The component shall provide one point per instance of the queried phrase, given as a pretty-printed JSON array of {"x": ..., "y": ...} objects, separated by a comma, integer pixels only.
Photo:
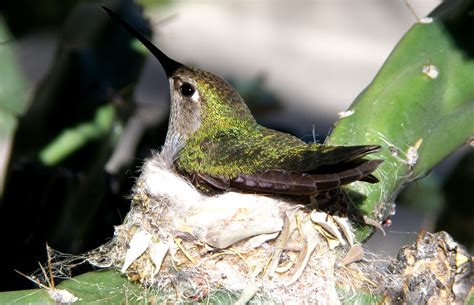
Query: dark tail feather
[
  {"x": 345, "y": 154},
  {"x": 370, "y": 179},
  {"x": 362, "y": 172},
  {"x": 288, "y": 183}
]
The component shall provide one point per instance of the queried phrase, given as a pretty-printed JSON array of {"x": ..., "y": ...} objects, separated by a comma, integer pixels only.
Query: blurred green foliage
[
  {"x": 13, "y": 96},
  {"x": 56, "y": 178},
  {"x": 148, "y": 3}
]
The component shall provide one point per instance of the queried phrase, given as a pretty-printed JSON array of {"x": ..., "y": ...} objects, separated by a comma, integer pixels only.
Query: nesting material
[
  {"x": 435, "y": 270},
  {"x": 190, "y": 245},
  {"x": 186, "y": 247}
]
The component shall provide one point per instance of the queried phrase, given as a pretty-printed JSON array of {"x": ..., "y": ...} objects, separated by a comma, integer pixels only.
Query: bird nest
[{"x": 190, "y": 246}]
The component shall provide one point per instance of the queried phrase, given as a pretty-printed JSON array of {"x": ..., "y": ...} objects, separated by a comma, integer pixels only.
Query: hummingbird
[{"x": 215, "y": 142}]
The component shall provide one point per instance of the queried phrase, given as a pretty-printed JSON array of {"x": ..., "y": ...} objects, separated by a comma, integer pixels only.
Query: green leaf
[
  {"x": 70, "y": 140},
  {"x": 419, "y": 107},
  {"x": 13, "y": 97}
]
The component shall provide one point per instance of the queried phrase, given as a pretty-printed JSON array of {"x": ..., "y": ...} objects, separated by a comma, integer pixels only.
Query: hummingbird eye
[{"x": 187, "y": 90}]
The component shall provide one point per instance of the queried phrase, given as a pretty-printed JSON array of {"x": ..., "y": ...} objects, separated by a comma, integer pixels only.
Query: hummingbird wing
[
  {"x": 280, "y": 181},
  {"x": 277, "y": 163},
  {"x": 283, "y": 182}
]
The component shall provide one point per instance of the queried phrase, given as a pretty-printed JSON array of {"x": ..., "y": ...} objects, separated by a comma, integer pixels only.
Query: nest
[
  {"x": 190, "y": 246},
  {"x": 185, "y": 246}
]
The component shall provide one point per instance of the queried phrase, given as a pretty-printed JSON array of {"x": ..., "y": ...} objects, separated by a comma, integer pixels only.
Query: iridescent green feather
[{"x": 229, "y": 142}]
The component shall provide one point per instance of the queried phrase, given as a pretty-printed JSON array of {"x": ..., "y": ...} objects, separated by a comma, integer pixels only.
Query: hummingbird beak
[{"x": 169, "y": 65}]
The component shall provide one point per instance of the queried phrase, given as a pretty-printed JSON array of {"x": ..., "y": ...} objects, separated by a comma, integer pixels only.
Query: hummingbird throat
[{"x": 184, "y": 121}]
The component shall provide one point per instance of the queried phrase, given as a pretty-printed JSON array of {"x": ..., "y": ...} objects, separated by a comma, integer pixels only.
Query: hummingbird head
[
  {"x": 202, "y": 99},
  {"x": 198, "y": 98}
]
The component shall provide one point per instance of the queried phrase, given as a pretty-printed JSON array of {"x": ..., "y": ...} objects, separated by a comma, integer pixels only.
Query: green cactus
[
  {"x": 100, "y": 287},
  {"x": 419, "y": 107}
]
